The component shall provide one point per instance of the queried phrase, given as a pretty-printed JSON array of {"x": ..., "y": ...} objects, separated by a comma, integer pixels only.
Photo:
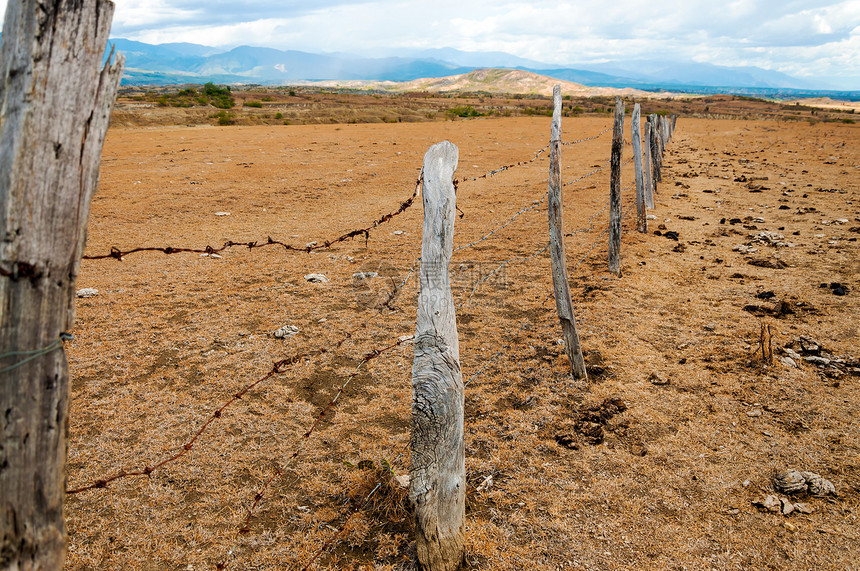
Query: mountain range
[{"x": 178, "y": 63}]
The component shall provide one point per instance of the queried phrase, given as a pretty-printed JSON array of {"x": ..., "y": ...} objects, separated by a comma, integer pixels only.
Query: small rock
[
  {"x": 406, "y": 338},
  {"x": 486, "y": 484},
  {"x": 222, "y": 214},
  {"x": 398, "y": 232},
  {"x": 710, "y": 327},
  {"x": 765, "y": 295},
  {"x": 744, "y": 249},
  {"x": 789, "y": 526},
  {"x": 815, "y": 360},
  {"x": 790, "y": 482},
  {"x": 754, "y": 412},
  {"x": 787, "y": 506},
  {"x": 803, "y": 508},
  {"x": 365, "y": 275},
  {"x": 839, "y": 289},
  {"x": 285, "y": 331},
  {"x": 316, "y": 278},
  {"x": 819, "y": 486},
  {"x": 788, "y": 362},
  {"x": 769, "y": 503},
  {"x": 791, "y": 353},
  {"x": 310, "y": 244},
  {"x": 657, "y": 379},
  {"x": 87, "y": 292},
  {"x": 650, "y": 217},
  {"x": 746, "y": 484}
]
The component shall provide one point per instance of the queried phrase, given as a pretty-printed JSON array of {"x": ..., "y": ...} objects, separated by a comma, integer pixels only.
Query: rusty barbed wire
[
  {"x": 118, "y": 254},
  {"x": 277, "y": 368},
  {"x": 279, "y": 470}
]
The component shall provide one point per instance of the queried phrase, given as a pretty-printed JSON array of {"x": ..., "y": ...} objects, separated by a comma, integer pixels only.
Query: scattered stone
[
  {"x": 671, "y": 234},
  {"x": 710, "y": 327},
  {"x": 285, "y": 331},
  {"x": 316, "y": 278},
  {"x": 787, "y": 506},
  {"x": 657, "y": 379},
  {"x": 788, "y": 362},
  {"x": 746, "y": 484},
  {"x": 310, "y": 244},
  {"x": 486, "y": 484},
  {"x": 406, "y": 338},
  {"x": 765, "y": 295},
  {"x": 790, "y": 482},
  {"x": 87, "y": 292},
  {"x": 365, "y": 275},
  {"x": 222, "y": 214},
  {"x": 754, "y": 412},
  {"x": 651, "y": 217},
  {"x": 744, "y": 249},
  {"x": 815, "y": 360},
  {"x": 803, "y": 508},
  {"x": 796, "y": 482},
  {"x": 792, "y": 354},
  {"x": 638, "y": 449},
  {"x": 398, "y": 232},
  {"x": 819, "y": 486},
  {"x": 770, "y": 503},
  {"x": 680, "y": 248},
  {"x": 809, "y": 346}
]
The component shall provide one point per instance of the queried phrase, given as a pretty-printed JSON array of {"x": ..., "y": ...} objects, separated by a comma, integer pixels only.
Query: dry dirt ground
[{"x": 627, "y": 471}]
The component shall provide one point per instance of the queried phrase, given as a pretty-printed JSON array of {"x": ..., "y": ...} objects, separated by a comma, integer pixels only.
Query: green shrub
[
  {"x": 257, "y": 104},
  {"x": 279, "y": 115}
]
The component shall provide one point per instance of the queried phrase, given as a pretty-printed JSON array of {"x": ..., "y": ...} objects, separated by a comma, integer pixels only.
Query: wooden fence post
[
  {"x": 656, "y": 155},
  {"x": 641, "y": 222},
  {"x": 649, "y": 178},
  {"x": 556, "y": 245},
  {"x": 437, "y": 483},
  {"x": 55, "y": 100},
  {"x": 615, "y": 189}
]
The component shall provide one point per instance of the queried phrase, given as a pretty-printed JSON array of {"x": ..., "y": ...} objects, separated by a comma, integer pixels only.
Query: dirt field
[{"x": 653, "y": 464}]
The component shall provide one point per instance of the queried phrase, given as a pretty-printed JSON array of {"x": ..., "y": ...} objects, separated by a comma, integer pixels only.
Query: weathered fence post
[
  {"x": 437, "y": 484},
  {"x": 615, "y": 189},
  {"x": 649, "y": 178},
  {"x": 556, "y": 245},
  {"x": 55, "y": 102},
  {"x": 641, "y": 222},
  {"x": 655, "y": 149}
]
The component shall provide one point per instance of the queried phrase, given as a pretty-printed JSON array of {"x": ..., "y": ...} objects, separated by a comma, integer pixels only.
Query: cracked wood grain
[
  {"x": 555, "y": 210},
  {"x": 55, "y": 103},
  {"x": 437, "y": 484}
]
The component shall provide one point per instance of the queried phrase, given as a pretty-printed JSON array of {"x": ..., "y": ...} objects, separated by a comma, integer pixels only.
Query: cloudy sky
[{"x": 808, "y": 39}]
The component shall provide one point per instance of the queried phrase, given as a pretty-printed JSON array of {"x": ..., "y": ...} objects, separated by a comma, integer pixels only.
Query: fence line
[
  {"x": 281, "y": 366},
  {"x": 118, "y": 254}
]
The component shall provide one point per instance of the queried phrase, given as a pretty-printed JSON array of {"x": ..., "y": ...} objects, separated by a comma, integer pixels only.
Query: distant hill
[{"x": 178, "y": 63}]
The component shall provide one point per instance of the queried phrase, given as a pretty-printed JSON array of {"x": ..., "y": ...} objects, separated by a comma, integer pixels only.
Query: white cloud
[{"x": 774, "y": 34}]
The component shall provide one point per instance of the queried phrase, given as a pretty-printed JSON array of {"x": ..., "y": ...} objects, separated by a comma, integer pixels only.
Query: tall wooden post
[
  {"x": 55, "y": 102},
  {"x": 641, "y": 222},
  {"x": 655, "y": 149},
  {"x": 649, "y": 177},
  {"x": 556, "y": 245},
  {"x": 615, "y": 189},
  {"x": 437, "y": 484}
]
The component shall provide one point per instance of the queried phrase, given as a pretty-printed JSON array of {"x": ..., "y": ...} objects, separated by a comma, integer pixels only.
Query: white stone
[
  {"x": 87, "y": 292},
  {"x": 316, "y": 278},
  {"x": 222, "y": 214},
  {"x": 286, "y": 331}
]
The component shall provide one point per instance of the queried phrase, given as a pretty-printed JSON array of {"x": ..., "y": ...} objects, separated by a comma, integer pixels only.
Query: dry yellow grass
[{"x": 170, "y": 338}]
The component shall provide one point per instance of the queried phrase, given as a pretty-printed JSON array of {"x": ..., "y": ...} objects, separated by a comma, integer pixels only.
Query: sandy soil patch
[{"x": 653, "y": 464}]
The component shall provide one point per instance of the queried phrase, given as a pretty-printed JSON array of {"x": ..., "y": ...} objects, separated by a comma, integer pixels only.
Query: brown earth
[
  {"x": 617, "y": 473},
  {"x": 147, "y": 107}
]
